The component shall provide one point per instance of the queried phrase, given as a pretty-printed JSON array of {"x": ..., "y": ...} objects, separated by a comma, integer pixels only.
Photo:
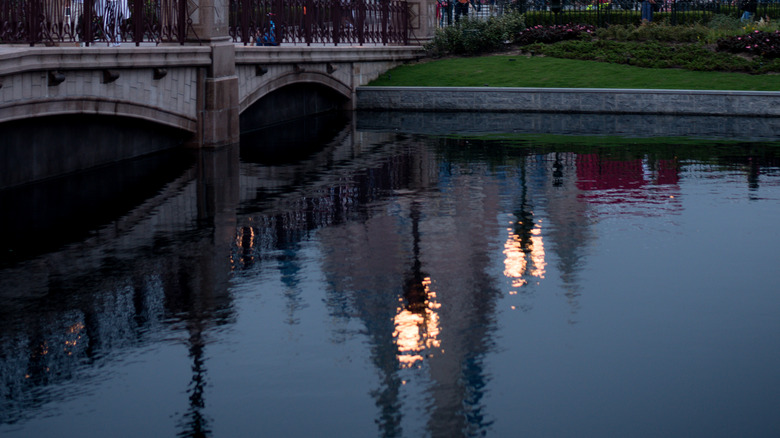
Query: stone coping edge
[
  {"x": 78, "y": 58},
  {"x": 306, "y": 54},
  {"x": 573, "y": 100}
]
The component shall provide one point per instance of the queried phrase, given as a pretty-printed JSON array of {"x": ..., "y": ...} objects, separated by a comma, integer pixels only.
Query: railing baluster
[
  {"x": 406, "y": 18},
  {"x": 280, "y": 18},
  {"x": 360, "y": 21},
  {"x": 86, "y": 24},
  {"x": 181, "y": 23},
  {"x": 307, "y": 19},
  {"x": 336, "y": 18},
  {"x": 138, "y": 22},
  {"x": 32, "y": 21},
  {"x": 385, "y": 19}
]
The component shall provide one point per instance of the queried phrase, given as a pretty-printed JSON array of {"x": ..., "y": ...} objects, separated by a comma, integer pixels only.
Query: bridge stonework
[
  {"x": 261, "y": 71},
  {"x": 148, "y": 83},
  {"x": 200, "y": 89}
]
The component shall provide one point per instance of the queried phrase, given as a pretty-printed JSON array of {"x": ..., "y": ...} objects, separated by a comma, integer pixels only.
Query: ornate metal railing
[
  {"x": 271, "y": 22},
  {"x": 93, "y": 21},
  {"x": 609, "y": 12},
  {"x": 604, "y": 13}
]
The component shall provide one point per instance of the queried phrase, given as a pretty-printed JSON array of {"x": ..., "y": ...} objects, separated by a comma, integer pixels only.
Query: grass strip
[{"x": 547, "y": 72}]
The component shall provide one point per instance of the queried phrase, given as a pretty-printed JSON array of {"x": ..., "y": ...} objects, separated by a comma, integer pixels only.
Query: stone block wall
[
  {"x": 562, "y": 100},
  {"x": 159, "y": 86},
  {"x": 262, "y": 70}
]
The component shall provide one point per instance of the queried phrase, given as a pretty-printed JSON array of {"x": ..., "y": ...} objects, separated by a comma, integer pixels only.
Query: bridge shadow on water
[
  {"x": 292, "y": 140},
  {"x": 44, "y": 215},
  {"x": 36, "y": 149}
]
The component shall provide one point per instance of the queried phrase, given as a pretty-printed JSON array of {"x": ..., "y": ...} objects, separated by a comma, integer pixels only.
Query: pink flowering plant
[
  {"x": 555, "y": 33},
  {"x": 758, "y": 43}
]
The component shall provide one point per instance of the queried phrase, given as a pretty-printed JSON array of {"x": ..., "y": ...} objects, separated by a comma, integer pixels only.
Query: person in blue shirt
[
  {"x": 647, "y": 10},
  {"x": 749, "y": 8}
]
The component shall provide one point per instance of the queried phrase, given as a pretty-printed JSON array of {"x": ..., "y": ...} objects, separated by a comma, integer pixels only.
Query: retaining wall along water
[{"x": 571, "y": 100}]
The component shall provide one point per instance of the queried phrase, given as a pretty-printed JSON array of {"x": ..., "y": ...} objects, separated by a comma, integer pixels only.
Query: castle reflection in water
[{"x": 410, "y": 231}]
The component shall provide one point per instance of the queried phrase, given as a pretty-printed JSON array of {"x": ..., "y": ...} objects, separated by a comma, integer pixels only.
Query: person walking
[{"x": 114, "y": 12}]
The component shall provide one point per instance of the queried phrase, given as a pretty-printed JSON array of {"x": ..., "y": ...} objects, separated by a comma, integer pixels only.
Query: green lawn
[{"x": 525, "y": 71}]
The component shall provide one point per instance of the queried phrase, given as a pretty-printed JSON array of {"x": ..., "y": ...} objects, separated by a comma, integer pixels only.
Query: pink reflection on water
[{"x": 639, "y": 186}]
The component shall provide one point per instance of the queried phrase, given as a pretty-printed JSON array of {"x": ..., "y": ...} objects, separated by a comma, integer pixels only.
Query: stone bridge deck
[{"x": 199, "y": 89}]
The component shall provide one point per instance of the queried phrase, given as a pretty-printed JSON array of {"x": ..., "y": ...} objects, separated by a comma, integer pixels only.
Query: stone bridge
[{"x": 201, "y": 89}]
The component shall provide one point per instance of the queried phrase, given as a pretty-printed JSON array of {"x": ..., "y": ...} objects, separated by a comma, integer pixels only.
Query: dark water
[{"x": 392, "y": 284}]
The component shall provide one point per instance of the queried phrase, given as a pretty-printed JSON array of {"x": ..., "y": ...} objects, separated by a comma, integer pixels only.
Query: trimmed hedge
[
  {"x": 474, "y": 36},
  {"x": 608, "y": 17}
]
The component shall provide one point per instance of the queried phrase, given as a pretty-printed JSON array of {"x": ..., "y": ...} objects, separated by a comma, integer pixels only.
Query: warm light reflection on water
[
  {"x": 417, "y": 331},
  {"x": 519, "y": 252}
]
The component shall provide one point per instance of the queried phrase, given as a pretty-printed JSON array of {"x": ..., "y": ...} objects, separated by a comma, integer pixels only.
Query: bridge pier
[
  {"x": 218, "y": 88},
  {"x": 218, "y": 117}
]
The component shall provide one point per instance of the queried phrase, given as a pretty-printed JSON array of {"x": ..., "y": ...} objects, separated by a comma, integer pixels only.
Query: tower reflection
[{"x": 417, "y": 321}]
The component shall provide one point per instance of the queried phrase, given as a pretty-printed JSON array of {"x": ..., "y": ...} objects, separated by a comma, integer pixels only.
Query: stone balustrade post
[
  {"x": 218, "y": 85},
  {"x": 422, "y": 20}
]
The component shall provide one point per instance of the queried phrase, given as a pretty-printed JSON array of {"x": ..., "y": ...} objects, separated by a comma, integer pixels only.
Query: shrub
[
  {"x": 655, "y": 55},
  {"x": 552, "y": 34},
  {"x": 475, "y": 36},
  {"x": 510, "y": 25},
  {"x": 654, "y": 32},
  {"x": 723, "y": 22},
  {"x": 544, "y": 18},
  {"x": 719, "y": 47},
  {"x": 764, "y": 44},
  {"x": 447, "y": 40}
]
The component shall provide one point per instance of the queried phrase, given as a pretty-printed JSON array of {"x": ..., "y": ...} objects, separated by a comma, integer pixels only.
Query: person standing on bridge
[
  {"x": 446, "y": 12},
  {"x": 461, "y": 8},
  {"x": 113, "y": 12}
]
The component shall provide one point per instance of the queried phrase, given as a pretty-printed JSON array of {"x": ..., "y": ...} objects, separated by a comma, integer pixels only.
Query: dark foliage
[
  {"x": 475, "y": 36},
  {"x": 655, "y": 54},
  {"x": 553, "y": 34},
  {"x": 764, "y": 44}
]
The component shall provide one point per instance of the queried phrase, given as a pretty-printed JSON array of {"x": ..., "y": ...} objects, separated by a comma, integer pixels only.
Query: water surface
[{"x": 392, "y": 284}]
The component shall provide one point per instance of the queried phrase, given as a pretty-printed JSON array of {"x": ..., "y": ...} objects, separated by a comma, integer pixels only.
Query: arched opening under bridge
[{"x": 292, "y": 101}]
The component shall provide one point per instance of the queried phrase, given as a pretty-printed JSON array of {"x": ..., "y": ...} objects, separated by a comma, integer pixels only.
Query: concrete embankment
[
  {"x": 572, "y": 100},
  {"x": 717, "y": 114}
]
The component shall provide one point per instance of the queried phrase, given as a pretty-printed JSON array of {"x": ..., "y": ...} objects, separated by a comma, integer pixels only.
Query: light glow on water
[
  {"x": 518, "y": 253},
  {"x": 417, "y": 328}
]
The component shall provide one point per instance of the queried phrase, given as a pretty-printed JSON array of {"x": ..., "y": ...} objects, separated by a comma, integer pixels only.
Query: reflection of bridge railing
[
  {"x": 90, "y": 21},
  {"x": 320, "y": 21}
]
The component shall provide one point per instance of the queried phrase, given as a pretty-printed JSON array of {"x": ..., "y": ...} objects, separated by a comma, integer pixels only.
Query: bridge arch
[
  {"x": 103, "y": 107},
  {"x": 291, "y": 96},
  {"x": 293, "y": 78}
]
